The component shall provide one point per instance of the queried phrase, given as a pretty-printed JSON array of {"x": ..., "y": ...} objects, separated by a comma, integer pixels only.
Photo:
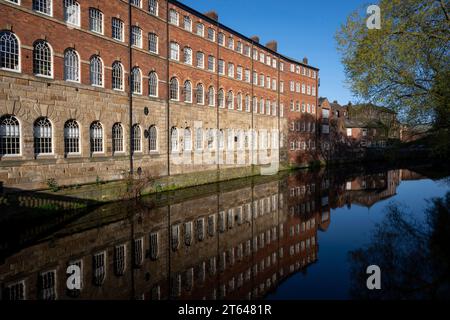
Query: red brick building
[{"x": 95, "y": 90}]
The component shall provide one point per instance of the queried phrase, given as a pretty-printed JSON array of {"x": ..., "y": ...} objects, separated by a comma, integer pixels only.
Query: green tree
[{"x": 405, "y": 65}]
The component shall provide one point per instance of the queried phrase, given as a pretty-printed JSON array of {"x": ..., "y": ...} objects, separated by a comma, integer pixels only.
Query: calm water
[{"x": 299, "y": 236}]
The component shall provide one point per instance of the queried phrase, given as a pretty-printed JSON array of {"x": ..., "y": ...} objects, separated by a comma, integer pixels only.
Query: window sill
[
  {"x": 73, "y": 155},
  {"x": 45, "y": 156},
  {"x": 98, "y": 155},
  {"x": 10, "y": 157}
]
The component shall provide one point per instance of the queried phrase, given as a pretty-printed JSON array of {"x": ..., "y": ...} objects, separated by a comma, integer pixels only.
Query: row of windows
[
  {"x": 236, "y": 73},
  {"x": 228, "y": 99},
  {"x": 303, "y": 145},
  {"x": 47, "y": 288},
  {"x": 72, "y": 16},
  {"x": 305, "y": 107},
  {"x": 229, "y": 42},
  {"x": 72, "y": 12},
  {"x": 302, "y": 208},
  {"x": 302, "y": 88},
  {"x": 238, "y": 281},
  {"x": 303, "y": 190},
  {"x": 304, "y": 126},
  {"x": 43, "y": 66},
  {"x": 239, "y": 47},
  {"x": 10, "y": 137},
  {"x": 303, "y": 70},
  {"x": 229, "y": 139}
]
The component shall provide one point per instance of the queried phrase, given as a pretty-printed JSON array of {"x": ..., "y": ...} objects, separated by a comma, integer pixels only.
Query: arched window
[
  {"x": 230, "y": 100},
  {"x": 153, "y": 43},
  {"x": 9, "y": 51},
  {"x": 239, "y": 101},
  {"x": 247, "y": 103},
  {"x": 136, "y": 80},
  {"x": 187, "y": 139},
  {"x": 173, "y": 90},
  {"x": 136, "y": 135},
  {"x": 174, "y": 139},
  {"x": 9, "y": 135},
  {"x": 71, "y": 65},
  {"x": 199, "y": 139},
  {"x": 117, "y": 137},
  {"x": 153, "y": 138},
  {"x": 117, "y": 76},
  {"x": 71, "y": 137},
  {"x": 153, "y": 7},
  {"x": 153, "y": 84},
  {"x": 42, "y": 136},
  {"x": 96, "y": 137},
  {"x": 42, "y": 59},
  {"x": 220, "y": 98},
  {"x": 188, "y": 91},
  {"x": 96, "y": 71},
  {"x": 72, "y": 12},
  {"x": 211, "y": 97},
  {"x": 200, "y": 94}
]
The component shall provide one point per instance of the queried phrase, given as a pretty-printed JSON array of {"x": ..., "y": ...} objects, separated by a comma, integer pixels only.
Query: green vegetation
[
  {"x": 53, "y": 185},
  {"x": 405, "y": 65}
]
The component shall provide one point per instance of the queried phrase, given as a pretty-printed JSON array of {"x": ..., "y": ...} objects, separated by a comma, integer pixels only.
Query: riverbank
[{"x": 64, "y": 198}]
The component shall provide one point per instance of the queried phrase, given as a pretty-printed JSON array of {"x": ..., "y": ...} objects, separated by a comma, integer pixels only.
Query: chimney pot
[
  {"x": 272, "y": 45},
  {"x": 212, "y": 15},
  {"x": 255, "y": 38},
  {"x": 305, "y": 60}
]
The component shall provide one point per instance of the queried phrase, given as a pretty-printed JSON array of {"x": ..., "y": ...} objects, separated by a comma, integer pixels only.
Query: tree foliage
[{"x": 405, "y": 65}]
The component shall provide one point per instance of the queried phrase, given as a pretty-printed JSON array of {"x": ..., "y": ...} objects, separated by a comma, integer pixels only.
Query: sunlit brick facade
[{"x": 67, "y": 113}]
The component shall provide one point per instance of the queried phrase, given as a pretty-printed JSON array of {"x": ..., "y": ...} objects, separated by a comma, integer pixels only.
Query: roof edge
[{"x": 256, "y": 44}]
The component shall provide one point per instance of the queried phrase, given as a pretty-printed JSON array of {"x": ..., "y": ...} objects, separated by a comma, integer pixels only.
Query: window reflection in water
[{"x": 238, "y": 242}]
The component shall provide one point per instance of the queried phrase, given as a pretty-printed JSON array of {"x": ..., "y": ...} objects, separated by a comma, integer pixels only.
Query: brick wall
[{"x": 29, "y": 97}]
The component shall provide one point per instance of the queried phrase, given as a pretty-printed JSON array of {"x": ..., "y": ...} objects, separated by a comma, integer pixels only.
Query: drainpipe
[
  {"x": 217, "y": 103},
  {"x": 251, "y": 153},
  {"x": 279, "y": 110},
  {"x": 130, "y": 109},
  {"x": 168, "y": 129}
]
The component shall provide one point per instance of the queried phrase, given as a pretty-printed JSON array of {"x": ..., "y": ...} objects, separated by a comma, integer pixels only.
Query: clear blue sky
[{"x": 301, "y": 27}]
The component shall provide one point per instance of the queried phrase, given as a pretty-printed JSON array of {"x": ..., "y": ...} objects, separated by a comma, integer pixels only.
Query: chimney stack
[
  {"x": 305, "y": 60},
  {"x": 212, "y": 15},
  {"x": 272, "y": 45},
  {"x": 255, "y": 38}
]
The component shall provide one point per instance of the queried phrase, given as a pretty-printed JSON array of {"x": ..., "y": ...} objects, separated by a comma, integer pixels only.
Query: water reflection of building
[
  {"x": 364, "y": 189},
  {"x": 235, "y": 244}
]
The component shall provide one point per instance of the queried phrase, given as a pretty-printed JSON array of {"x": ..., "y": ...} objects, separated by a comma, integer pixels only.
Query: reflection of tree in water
[{"x": 414, "y": 258}]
